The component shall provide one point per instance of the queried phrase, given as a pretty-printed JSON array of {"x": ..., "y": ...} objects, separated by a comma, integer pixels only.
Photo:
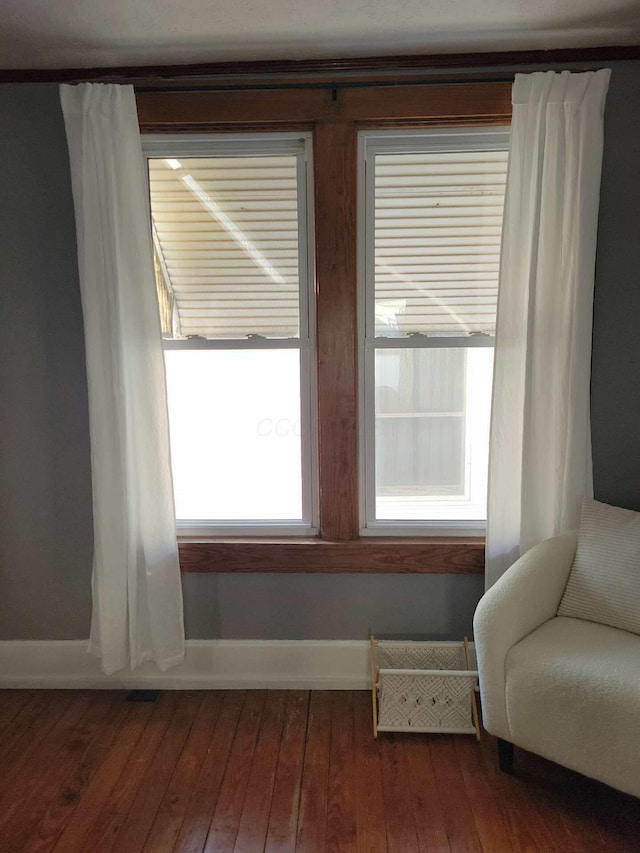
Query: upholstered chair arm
[{"x": 526, "y": 596}]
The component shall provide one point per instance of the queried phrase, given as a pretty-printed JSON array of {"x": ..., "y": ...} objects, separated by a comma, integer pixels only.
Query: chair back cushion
[{"x": 604, "y": 582}]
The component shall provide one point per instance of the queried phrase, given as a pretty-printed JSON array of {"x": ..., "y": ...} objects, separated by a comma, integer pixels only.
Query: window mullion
[{"x": 336, "y": 186}]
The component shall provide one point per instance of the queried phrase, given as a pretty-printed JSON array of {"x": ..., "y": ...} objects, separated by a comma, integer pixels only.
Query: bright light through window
[{"x": 235, "y": 434}]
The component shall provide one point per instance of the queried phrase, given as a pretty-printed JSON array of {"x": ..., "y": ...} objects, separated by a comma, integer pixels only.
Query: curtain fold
[
  {"x": 540, "y": 446},
  {"x": 137, "y": 596}
]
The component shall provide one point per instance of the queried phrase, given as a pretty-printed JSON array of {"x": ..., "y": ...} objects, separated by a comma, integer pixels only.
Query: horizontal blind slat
[
  {"x": 437, "y": 230},
  {"x": 228, "y": 232}
]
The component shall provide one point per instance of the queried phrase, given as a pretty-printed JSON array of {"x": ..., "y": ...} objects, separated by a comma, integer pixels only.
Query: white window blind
[
  {"x": 227, "y": 236},
  {"x": 438, "y": 218}
]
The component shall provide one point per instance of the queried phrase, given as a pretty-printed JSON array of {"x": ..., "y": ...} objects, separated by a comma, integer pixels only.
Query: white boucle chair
[{"x": 565, "y": 688}]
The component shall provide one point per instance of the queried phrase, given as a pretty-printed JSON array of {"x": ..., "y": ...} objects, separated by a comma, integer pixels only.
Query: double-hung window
[
  {"x": 329, "y": 318},
  {"x": 430, "y": 226},
  {"x": 232, "y": 219}
]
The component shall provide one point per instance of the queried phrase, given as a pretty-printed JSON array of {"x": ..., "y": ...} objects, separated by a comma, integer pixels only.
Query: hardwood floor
[{"x": 194, "y": 771}]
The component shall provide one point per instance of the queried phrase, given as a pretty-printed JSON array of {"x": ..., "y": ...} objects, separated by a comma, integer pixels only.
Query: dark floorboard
[{"x": 89, "y": 772}]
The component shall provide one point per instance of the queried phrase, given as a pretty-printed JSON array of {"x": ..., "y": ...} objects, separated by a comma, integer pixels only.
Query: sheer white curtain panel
[
  {"x": 137, "y": 597},
  {"x": 540, "y": 447}
]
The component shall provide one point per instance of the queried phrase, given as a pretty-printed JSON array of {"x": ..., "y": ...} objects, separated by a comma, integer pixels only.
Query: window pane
[
  {"x": 438, "y": 220},
  {"x": 432, "y": 409},
  {"x": 226, "y": 240},
  {"x": 235, "y": 434}
]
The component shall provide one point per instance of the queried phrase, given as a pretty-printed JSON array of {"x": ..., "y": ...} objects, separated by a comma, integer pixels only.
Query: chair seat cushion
[{"x": 573, "y": 696}]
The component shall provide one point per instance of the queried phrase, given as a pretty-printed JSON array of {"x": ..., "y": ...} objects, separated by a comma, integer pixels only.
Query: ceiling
[{"x": 86, "y": 33}]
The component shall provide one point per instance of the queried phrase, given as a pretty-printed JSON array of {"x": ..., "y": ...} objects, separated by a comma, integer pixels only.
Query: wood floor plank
[
  {"x": 98, "y": 794},
  {"x": 402, "y": 835},
  {"x": 12, "y": 702},
  {"x": 195, "y": 826},
  {"x": 461, "y": 830},
  {"x": 25, "y": 732},
  {"x": 610, "y": 817},
  {"x": 108, "y": 814},
  {"x": 541, "y": 788},
  {"x": 487, "y": 809},
  {"x": 371, "y": 828},
  {"x": 341, "y": 833},
  {"x": 285, "y": 803},
  {"x": 60, "y": 760},
  {"x": 93, "y": 773},
  {"x": 527, "y": 827},
  {"x": 156, "y": 775},
  {"x": 228, "y": 811},
  {"x": 312, "y": 816},
  {"x": 252, "y": 832},
  {"x": 428, "y": 816},
  {"x": 71, "y": 791},
  {"x": 560, "y": 796},
  {"x": 35, "y": 774},
  {"x": 174, "y": 805}
]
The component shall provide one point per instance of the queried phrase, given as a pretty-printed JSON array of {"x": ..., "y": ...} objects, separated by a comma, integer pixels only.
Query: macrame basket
[{"x": 423, "y": 687}]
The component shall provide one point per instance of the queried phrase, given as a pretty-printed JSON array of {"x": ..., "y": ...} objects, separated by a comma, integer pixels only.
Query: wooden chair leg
[{"x": 505, "y": 755}]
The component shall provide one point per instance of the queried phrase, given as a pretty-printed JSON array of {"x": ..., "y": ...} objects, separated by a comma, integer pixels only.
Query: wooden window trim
[
  {"x": 456, "y": 103},
  {"x": 449, "y": 63},
  {"x": 335, "y": 116},
  {"x": 375, "y": 555}
]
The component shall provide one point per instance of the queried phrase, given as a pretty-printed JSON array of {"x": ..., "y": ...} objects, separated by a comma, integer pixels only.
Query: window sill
[{"x": 380, "y": 555}]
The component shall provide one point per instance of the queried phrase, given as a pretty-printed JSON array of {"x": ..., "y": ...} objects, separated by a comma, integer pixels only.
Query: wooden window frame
[{"x": 334, "y": 115}]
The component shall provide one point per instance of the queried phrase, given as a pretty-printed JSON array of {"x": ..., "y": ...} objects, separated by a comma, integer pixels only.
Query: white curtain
[
  {"x": 540, "y": 448},
  {"x": 137, "y": 598}
]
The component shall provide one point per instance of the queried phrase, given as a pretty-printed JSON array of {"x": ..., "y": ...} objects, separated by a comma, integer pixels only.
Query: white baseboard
[{"x": 208, "y": 664}]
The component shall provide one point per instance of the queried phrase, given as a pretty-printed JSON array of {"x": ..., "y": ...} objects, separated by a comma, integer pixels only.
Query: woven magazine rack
[{"x": 423, "y": 687}]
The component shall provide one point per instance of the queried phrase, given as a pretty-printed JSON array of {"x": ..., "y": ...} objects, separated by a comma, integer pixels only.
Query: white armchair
[{"x": 564, "y": 688}]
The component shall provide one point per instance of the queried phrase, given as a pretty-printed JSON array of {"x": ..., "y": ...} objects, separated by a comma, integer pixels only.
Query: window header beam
[{"x": 451, "y": 104}]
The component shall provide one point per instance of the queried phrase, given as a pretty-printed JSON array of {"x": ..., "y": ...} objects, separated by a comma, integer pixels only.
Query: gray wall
[
  {"x": 45, "y": 487},
  {"x": 45, "y": 483},
  {"x": 615, "y": 376}
]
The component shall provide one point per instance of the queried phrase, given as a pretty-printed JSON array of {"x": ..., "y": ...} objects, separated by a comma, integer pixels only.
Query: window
[
  {"x": 342, "y": 507},
  {"x": 231, "y": 222},
  {"x": 431, "y": 219}
]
